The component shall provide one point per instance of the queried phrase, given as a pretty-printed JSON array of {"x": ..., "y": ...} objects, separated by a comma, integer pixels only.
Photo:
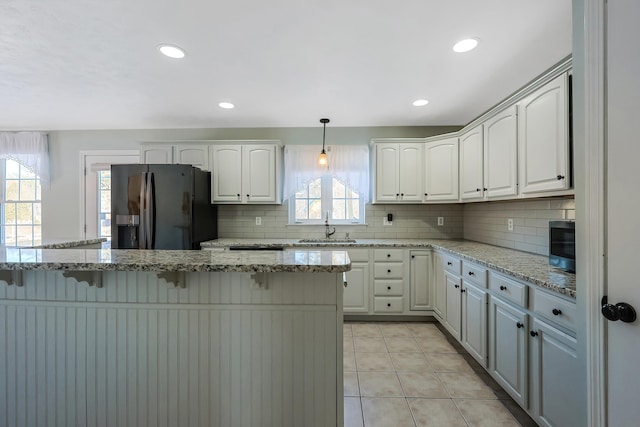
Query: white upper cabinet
[
  {"x": 543, "y": 138},
  {"x": 501, "y": 154},
  {"x": 398, "y": 176},
  {"x": 245, "y": 173},
  {"x": 441, "y": 170},
  {"x": 471, "y": 164},
  {"x": 192, "y": 154},
  {"x": 156, "y": 153}
]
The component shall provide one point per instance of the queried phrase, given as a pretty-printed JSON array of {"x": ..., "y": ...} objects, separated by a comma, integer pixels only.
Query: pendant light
[{"x": 322, "y": 158}]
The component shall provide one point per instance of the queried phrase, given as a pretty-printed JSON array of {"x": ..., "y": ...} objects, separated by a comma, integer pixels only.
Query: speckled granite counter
[
  {"x": 66, "y": 243},
  {"x": 522, "y": 265},
  {"x": 298, "y": 260}
]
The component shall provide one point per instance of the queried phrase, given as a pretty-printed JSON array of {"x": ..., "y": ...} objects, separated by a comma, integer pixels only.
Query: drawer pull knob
[
  {"x": 456, "y": 286},
  {"x": 477, "y": 190},
  {"x": 560, "y": 177},
  {"x": 388, "y": 271},
  {"x": 402, "y": 194},
  {"x": 484, "y": 189},
  {"x": 449, "y": 263},
  {"x": 503, "y": 288},
  {"x": 388, "y": 288},
  {"x": 519, "y": 325},
  {"x": 463, "y": 290},
  {"x": 388, "y": 255},
  {"x": 533, "y": 334},
  {"x": 471, "y": 273},
  {"x": 345, "y": 284},
  {"x": 556, "y": 312},
  {"x": 388, "y": 304}
]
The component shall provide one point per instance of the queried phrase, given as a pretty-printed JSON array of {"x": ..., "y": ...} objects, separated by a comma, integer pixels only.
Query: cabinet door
[
  {"x": 156, "y": 154},
  {"x": 439, "y": 287},
  {"x": 226, "y": 168},
  {"x": 543, "y": 138},
  {"x": 356, "y": 294},
  {"x": 508, "y": 332},
  {"x": 554, "y": 375},
  {"x": 387, "y": 184},
  {"x": 454, "y": 306},
  {"x": 501, "y": 154},
  {"x": 474, "y": 322},
  {"x": 196, "y": 155},
  {"x": 410, "y": 172},
  {"x": 259, "y": 174},
  {"x": 441, "y": 170},
  {"x": 420, "y": 279},
  {"x": 471, "y": 162}
]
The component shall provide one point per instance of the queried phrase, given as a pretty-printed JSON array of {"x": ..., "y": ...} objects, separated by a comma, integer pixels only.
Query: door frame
[
  {"x": 82, "y": 174},
  {"x": 590, "y": 161}
]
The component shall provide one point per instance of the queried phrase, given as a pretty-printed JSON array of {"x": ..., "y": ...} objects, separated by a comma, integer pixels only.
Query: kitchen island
[{"x": 152, "y": 338}]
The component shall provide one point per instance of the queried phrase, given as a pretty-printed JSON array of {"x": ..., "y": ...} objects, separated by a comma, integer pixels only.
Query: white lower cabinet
[
  {"x": 474, "y": 322},
  {"x": 419, "y": 279},
  {"x": 356, "y": 292},
  {"x": 508, "y": 338},
  {"x": 453, "y": 317},
  {"x": 439, "y": 287}
]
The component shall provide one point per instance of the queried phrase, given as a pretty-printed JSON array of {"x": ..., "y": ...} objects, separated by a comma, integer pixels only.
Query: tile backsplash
[
  {"x": 486, "y": 222},
  {"x": 409, "y": 222}
]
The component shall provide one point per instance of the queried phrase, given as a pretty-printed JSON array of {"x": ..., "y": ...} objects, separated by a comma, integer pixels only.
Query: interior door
[{"x": 623, "y": 205}]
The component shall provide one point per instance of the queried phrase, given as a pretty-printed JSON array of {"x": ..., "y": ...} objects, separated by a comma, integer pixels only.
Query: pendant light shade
[{"x": 323, "y": 160}]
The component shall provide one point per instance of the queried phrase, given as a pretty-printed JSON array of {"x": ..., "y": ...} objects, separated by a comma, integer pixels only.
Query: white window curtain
[
  {"x": 347, "y": 163},
  {"x": 30, "y": 149}
]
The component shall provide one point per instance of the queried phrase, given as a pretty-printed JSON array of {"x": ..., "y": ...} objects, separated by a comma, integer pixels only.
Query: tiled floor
[{"x": 414, "y": 375}]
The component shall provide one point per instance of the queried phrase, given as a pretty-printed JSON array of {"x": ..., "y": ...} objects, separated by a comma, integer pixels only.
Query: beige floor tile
[
  {"x": 379, "y": 384},
  {"x": 466, "y": 385},
  {"x": 351, "y": 387},
  {"x": 444, "y": 362},
  {"x": 435, "y": 344},
  {"x": 436, "y": 413},
  {"x": 401, "y": 344},
  {"x": 365, "y": 330},
  {"x": 417, "y": 384},
  {"x": 424, "y": 330},
  {"x": 369, "y": 344},
  {"x": 389, "y": 412},
  {"x": 349, "y": 362},
  {"x": 414, "y": 362},
  {"x": 346, "y": 330},
  {"x": 374, "y": 362},
  {"x": 486, "y": 413},
  {"x": 353, "y": 412},
  {"x": 347, "y": 345},
  {"x": 395, "y": 330}
]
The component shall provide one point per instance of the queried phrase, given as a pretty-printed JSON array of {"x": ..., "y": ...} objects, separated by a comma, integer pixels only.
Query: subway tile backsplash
[
  {"x": 409, "y": 222},
  {"x": 486, "y": 222}
]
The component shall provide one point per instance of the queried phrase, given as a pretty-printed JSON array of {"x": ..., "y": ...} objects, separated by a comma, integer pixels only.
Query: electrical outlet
[
  {"x": 440, "y": 221},
  {"x": 510, "y": 224},
  {"x": 258, "y": 220},
  {"x": 385, "y": 221}
]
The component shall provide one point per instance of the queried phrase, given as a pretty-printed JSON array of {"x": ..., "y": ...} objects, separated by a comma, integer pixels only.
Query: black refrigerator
[{"x": 161, "y": 207}]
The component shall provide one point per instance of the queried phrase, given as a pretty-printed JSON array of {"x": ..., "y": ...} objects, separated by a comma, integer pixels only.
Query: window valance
[
  {"x": 31, "y": 149},
  {"x": 347, "y": 163}
]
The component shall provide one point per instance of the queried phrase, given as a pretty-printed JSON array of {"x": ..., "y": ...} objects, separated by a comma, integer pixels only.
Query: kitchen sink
[{"x": 326, "y": 241}]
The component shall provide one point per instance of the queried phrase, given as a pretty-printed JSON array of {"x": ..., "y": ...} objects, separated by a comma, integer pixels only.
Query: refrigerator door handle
[
  {"x": 151, "y": 213},
  {"x": 142, "y": 239}
]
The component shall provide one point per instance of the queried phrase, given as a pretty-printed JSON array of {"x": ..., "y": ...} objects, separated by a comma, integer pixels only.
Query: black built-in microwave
[{"x": 562, "y": 245}]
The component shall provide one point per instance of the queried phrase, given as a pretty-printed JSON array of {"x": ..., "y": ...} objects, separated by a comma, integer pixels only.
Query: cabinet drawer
[
  {"x": 388, "y": 305},
  {"x": 556, "y": 309},
  {"x": 388, "y": 287},
  {"x": 391, "y": 255},
  {"x": 475, "y": 274},
  {"x": 388, "y": 270},
  {"x": 452, "y": 264},
  {"x": 358, "y": 255},
  {"x": 509, "y": 289}
]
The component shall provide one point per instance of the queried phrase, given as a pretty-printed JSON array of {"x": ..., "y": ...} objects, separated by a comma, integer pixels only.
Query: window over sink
[{"x": 326, "y": 198}]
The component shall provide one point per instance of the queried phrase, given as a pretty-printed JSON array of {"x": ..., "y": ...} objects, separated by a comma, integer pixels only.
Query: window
[
  {"x": 21, "y": 214},
  {"x": 104, "y": 204},
  {"x": 326, "y": 198}
]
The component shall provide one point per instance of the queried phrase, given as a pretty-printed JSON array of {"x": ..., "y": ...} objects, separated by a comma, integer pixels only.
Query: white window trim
[{"x": 325, "y": 197}]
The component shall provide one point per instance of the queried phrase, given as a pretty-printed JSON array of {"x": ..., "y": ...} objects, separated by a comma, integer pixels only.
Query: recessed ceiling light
[
  {"x": 226, "y": 105},
  {"x": 465, "y": 45},
  {"x": 420, "y": 102},
  {"x": 171, "y": 51}
]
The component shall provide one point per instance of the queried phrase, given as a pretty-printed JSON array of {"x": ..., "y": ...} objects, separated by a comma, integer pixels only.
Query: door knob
[
  {"x": 520, "y": 325},
  {"x": 620, "y": 311}
]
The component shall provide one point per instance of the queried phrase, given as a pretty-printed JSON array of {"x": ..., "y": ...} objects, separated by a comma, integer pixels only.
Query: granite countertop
[
  {"x": 521, "y": 265},
  {"x": 293, "y": 260},
  {"x": 65, "y": 243}
]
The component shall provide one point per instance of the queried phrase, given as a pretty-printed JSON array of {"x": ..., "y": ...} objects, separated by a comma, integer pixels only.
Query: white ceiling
[{"x": 93, "y": 64}]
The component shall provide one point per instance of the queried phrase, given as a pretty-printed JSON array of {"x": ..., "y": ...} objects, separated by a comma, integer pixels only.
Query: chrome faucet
[{"x": 327, "y": 231}]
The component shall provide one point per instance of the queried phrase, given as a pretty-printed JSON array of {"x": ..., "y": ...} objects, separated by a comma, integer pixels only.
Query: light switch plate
[
  {"x": 440, "y": 221},
  {"x": 510, "y": 224},
  {"x": 258, "y": 220},
  {"x": 385, "y": 221}
]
